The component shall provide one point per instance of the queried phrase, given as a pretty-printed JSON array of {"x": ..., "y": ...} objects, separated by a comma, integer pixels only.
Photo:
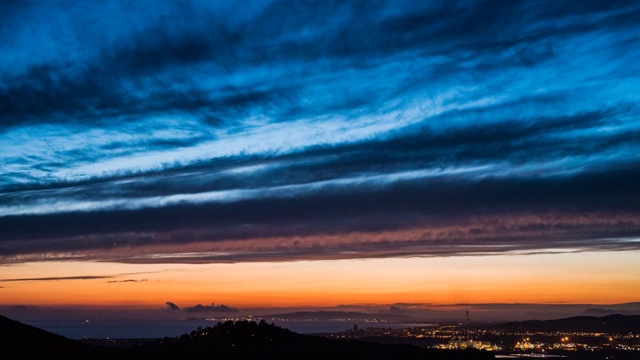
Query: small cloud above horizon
[
  {"x": 199, "y": 308},
  {"x": 171, "y": 306},
  {"x": 211, "y": 308}
]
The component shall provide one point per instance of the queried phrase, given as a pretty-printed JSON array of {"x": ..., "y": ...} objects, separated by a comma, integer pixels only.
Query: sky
[{"x": 281, "y": 154}]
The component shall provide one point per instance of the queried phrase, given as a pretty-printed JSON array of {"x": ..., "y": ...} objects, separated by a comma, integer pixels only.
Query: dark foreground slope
[
  {"x": 28, "y": 342},
  {"x": 239, "y": 340}
]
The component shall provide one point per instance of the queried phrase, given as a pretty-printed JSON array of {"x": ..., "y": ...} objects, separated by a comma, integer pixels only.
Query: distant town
[
  {"x": 519, "y": 339},
  {"x": 456, "y": 337}
]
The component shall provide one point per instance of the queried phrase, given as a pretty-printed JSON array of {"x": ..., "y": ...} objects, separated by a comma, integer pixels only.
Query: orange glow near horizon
[{"x": 589, "y": 277}]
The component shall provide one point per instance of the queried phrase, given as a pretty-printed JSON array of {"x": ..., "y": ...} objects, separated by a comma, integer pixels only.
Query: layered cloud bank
[{"x": 201, "y": 132}]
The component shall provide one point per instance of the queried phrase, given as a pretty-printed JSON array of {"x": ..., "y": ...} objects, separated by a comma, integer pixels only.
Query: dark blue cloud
[{"x": 200, "y": 123}]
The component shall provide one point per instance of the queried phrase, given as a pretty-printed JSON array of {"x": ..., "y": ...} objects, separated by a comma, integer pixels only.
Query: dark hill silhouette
[
  {"x": 31, "y": 342},
  {"x": 615, "y": 323}
]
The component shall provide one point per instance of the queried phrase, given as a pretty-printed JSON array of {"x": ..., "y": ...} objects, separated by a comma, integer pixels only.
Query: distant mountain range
[
  {"x": 341, "y": 315},
  {"x": 480, "y": 313},
  {"x": 615, "y": 323}
]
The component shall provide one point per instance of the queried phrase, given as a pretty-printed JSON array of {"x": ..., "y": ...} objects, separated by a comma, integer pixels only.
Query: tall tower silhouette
[{"x": 467, "y": 325}]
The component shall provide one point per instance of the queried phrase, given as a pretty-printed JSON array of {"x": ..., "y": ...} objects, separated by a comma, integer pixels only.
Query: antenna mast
[{"x": 467, "y": 325}]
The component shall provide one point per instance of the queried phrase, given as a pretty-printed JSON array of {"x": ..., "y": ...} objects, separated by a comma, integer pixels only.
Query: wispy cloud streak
[{"x": 57, "y": 278}]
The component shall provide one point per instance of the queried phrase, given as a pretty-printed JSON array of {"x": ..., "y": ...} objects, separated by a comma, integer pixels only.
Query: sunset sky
[{"x": 298, "y": 154}]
